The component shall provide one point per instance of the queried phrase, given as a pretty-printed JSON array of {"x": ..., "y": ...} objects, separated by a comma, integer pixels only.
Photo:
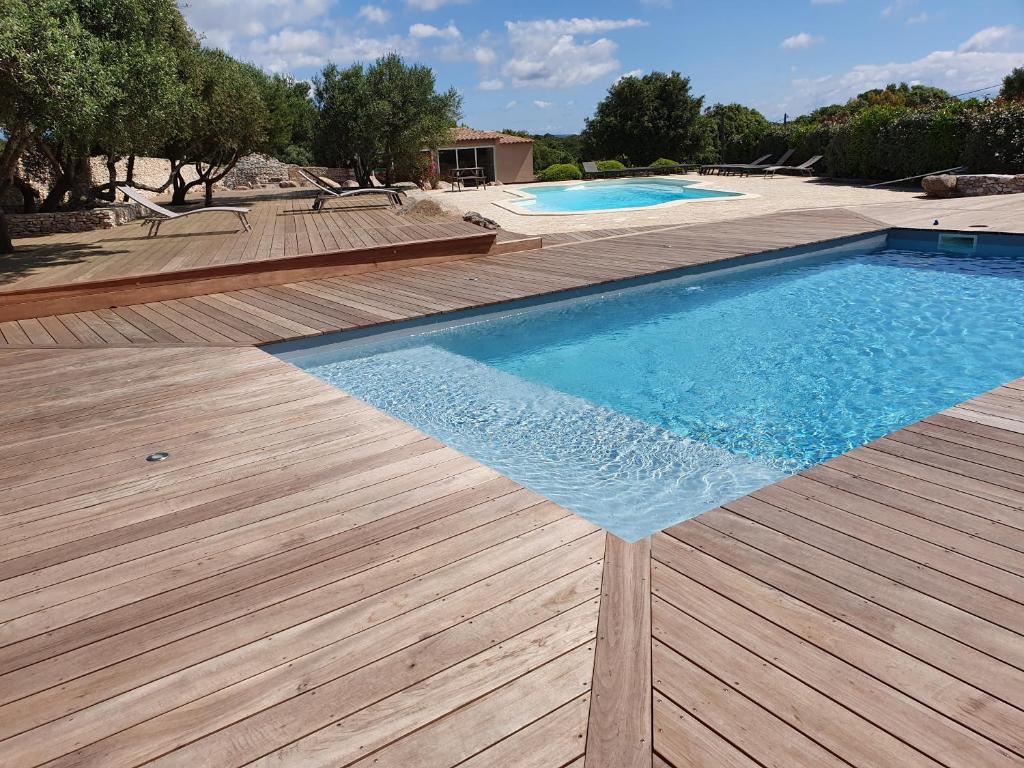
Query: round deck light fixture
[{"x": 158, "y": 456}]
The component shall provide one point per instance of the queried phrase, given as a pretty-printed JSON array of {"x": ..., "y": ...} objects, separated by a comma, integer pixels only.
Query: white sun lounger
[
  {"x": 164, "y": 215},
  {"x": 326, "y": 193}
]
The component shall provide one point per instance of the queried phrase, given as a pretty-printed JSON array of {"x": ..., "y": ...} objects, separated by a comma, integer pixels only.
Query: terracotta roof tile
[{"x": 470, "y": 134}]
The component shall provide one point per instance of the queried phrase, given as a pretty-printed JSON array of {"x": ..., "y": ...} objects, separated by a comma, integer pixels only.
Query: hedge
[
  {"x": 885, "y": 142},
  {"x": 610, "y": 165},
  {"x": 560, "y": 172},
  {"x": 663, "y": 161}
]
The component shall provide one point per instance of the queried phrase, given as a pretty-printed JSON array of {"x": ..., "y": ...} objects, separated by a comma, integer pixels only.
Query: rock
[
  {"x": 286, "y": 184},
  {"x": 481, "y": 221},
  {"x": 423, "y": 207},
  {"x": 350, "y": 184},
  {"x": 942, "y": 185},
  {"x": 494, "y": 184}
]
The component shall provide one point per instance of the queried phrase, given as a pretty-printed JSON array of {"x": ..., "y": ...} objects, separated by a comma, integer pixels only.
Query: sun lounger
[
  {"x": 162, "y": 214},
  {"x": 804, "y": 167},
  {"x": 326, "y": 193},
  {"x": 706, "y": 169},
  {"x": 590, "y": 170},
  {"x": 746, "y": 170}
]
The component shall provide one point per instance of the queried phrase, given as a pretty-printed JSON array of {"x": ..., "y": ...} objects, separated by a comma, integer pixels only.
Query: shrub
[
  {"x": 663, "y": 161},
  {"x": 560, "y": 172},
  {"x": 296, "y": 154},
  {"x": 610, "y": 165}
]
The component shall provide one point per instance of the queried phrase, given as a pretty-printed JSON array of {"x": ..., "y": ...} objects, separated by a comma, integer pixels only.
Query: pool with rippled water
[
  {"x": 644, "y": 404},
  {"x": 610, "y": 195}
]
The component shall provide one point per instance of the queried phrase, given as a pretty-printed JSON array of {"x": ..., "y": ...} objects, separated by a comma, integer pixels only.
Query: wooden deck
[
  {"x": 307, "y": 308},
  {"x": 306, "y": 581},
  {"x": 282, "y": 227},
  {"x": 288, "y": 243}
]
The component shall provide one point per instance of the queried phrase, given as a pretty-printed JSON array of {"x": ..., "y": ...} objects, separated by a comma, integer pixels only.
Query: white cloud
[
  {"x": 573, "y": 26},
  {"x": 990, "y": 37},
  {"x": 423, "y": 31},
  {"x": 541, "y": 104},
  {"x": 546, "y": 53},
  {"x": 493, "y": 84},
  {"x": 484, "y": 56},
  {"x": 801, "y": 40},
  {"x": 957, "y": 71},
  {"x": 220, "y": 21},
  {"x": 512, "y": 104},
  {"x": 631, "y": 73},
  {"x": 374, "y": 14},
  {"x": 432, "y": 5},
  {"x": 919, "y": 18}
]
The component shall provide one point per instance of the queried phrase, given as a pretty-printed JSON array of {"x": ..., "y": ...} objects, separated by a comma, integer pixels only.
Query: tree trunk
[
  {"x": 18, "y": 139},
  {"x": 29, "y": 195},
  {"x": 67, "y": 173},
  {"x": 6, "y": 245},
  {"x": 179, "y": 187},
  {"x": 208, "y": 199},
  {"x": 129, "y": 175},
  {"x": 112, "y": 159}
]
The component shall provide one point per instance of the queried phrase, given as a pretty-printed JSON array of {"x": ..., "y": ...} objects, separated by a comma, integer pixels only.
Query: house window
[{"x": 466, "y": 157}]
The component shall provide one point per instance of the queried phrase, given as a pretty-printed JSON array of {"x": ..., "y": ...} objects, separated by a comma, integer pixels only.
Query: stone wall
[
  {"x": 972, "y": 185},
  {"x": 108, "y": 217},
  {"x": 255, "y": 171}
]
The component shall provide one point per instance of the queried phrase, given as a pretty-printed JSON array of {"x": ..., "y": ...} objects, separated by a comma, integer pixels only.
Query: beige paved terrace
[{"x": 783, "y": 193}]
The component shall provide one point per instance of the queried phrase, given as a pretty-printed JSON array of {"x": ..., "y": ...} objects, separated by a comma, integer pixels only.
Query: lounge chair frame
[
  {"x": 326, "y": 193},
  {"x": 804, "y": 167},
  {"x": 166, "y": 215},
  {"x": 747, "y": 170}
]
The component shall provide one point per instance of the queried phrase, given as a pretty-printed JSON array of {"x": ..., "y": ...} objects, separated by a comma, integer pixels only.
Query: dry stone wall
[
  {"x": 973, "y": 184},
  {"x": 30, "y": 224}
]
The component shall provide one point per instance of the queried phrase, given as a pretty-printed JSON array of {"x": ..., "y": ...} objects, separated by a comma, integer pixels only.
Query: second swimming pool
[{"x": 610, "y": 195}]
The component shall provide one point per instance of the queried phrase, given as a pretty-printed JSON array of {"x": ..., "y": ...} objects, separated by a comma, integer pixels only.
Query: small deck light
[{"x": 158, "y": 456}]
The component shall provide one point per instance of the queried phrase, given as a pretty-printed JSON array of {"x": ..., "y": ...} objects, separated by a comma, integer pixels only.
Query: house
[{"x": 502, "y": 156}]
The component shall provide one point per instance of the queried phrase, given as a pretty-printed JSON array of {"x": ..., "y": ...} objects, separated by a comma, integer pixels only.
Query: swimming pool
[
  {"x": 609, "y": 195},
  {"x": 644, "y": 405}
]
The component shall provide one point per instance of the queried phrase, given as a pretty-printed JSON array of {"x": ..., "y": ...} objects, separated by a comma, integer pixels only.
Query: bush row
[
  {"x": 571, "y": 171},
  {"x": 886, "y": 142}
]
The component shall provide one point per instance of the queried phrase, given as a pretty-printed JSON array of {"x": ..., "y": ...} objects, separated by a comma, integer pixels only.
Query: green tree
[
  {"x": 130, "y": 47},
  {"x": 1013, "y": 86},
  {"x": 223, "y": 119},
  {"x": 381, "y": 116},
  {"x": 291, "y": 118},
  {"x": 643, "y": 118},
  {"x": 48, "y": 81},
  {"x": 737, "y": 131}
]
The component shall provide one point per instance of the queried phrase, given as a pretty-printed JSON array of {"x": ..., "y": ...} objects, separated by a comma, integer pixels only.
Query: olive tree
[
  {"x": 223, "y": 118},
  {"x": 381, "y": 116},
  {"x": 49, "y": 82}
]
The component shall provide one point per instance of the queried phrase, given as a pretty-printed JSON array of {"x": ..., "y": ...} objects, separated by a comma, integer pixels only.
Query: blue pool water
[
  {"x": 641, "y": 407},
  {"x": 610, "y": 195}
]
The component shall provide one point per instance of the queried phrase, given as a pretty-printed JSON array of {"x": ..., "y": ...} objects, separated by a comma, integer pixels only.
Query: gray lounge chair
[
  {"x": 162, "y": 214},
  {"x": 590, "y": 170},
  {"x": 804, "y": 167},
  {"x": 326, "y": 193},
  {"x": 707, "y": 169},
  {"x": 746, "y": 170}
]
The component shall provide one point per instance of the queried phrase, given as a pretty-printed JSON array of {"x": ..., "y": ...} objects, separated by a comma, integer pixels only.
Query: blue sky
[{"x": 542, "y": 66}]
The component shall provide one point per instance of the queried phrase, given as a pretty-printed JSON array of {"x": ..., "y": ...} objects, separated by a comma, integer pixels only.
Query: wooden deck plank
[{"x": 619, "y": 734}]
